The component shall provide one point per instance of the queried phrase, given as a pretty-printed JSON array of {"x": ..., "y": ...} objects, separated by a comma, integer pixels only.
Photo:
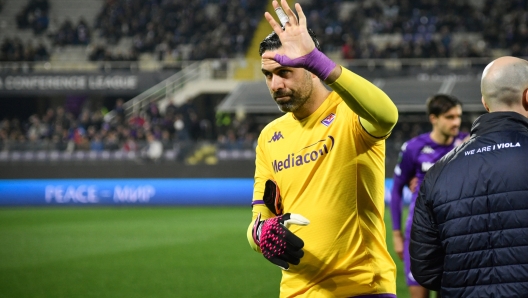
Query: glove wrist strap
[{"x": 257, "y": 229}]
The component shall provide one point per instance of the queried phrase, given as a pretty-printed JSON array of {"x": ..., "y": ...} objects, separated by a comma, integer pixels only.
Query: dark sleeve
[{"x": 427, "y": 254}]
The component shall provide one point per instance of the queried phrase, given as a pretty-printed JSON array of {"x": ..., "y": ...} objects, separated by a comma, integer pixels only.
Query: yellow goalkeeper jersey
[{"x": 331, "y": 171}]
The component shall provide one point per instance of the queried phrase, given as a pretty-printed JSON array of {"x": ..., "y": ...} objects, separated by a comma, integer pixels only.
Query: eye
[
  {"x": 267, "y": 74},
  {"x": 283, "y": 72}
]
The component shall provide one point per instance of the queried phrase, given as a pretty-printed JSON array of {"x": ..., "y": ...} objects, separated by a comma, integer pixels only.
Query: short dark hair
[
  {"x": 439, "y": 104},
  {"x": 272, "y": 42}
]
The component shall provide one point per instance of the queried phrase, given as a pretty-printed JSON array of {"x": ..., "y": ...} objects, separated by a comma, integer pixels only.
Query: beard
[
  {"x": 291, "y": 105},
  {"x": 297, "y": 97},
  {"x": 451, "y": 132}
]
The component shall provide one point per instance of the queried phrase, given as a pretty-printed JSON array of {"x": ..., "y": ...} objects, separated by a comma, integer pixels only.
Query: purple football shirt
[{"x": 416, "y": 157}]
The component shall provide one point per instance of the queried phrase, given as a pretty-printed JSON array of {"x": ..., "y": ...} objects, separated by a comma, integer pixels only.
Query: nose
[{"x": 276, "y": 83}]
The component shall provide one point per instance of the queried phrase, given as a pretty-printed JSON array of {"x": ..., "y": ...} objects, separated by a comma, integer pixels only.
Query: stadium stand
[
  {"x": 441, "y": 44},
  {"x": 365, "y": 29}
]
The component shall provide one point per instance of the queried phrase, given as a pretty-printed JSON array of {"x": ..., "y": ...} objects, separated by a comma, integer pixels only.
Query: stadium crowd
[
  {"x": 215, "y": 29},
  {"x": 178, "y": 128},
  {"x": 426, "y": 29},
  {"x": 14, "y": 49},
  {"x": 183, "y": 30},
  {"x": 34, "y": 15}
]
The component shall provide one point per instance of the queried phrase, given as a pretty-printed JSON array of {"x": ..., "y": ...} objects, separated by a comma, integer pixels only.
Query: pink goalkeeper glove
[{"x": 278, "y": 244}]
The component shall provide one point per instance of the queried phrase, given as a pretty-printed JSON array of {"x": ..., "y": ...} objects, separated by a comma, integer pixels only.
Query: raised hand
[
  {"x": 298, "y": 46},
  {"x": 295, "y": 39}
]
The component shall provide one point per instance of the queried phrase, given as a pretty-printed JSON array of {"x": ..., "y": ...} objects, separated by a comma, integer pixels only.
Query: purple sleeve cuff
[
  {"x": 257, "y": 202},
  {"x": 316, "y": 62}
]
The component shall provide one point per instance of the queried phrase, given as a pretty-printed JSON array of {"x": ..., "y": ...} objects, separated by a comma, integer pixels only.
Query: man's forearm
[
  {"x": 377, "y": 111},
  {"x": 334, "y": 75}
]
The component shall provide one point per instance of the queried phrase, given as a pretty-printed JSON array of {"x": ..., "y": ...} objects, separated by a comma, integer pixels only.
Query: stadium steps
[{"x": 69, "y": 54}]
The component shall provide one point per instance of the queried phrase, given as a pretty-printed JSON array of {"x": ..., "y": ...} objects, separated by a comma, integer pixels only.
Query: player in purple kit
[{"x": 416, "y": 157}]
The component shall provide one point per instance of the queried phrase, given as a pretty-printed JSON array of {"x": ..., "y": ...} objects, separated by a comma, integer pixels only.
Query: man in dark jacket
[{"x": 469, "y": 236}]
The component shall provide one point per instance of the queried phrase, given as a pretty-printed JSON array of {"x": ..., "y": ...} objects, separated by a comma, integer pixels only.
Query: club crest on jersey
[
  {"x": 276, "y": 136},
  {"x": 426, "y": 166},
  {"x": 427, "y": 150},
  {"x": 329, "y": 119}
]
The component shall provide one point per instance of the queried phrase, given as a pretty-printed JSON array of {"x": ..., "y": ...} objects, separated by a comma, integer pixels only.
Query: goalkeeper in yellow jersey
[{"x": 318, "y": 200}]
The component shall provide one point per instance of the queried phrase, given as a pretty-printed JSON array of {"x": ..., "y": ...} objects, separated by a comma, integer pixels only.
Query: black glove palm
[{"x": 272, "y": 197}]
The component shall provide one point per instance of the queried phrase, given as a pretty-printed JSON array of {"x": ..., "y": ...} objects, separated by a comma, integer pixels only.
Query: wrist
[
  {"x": 319, "y": 64},
  {"x": 257, "y": 229},
  {"x": 316, "y": 62}
]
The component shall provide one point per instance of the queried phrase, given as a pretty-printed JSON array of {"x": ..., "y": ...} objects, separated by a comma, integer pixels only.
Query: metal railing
[{"x": 164, "y": 89}]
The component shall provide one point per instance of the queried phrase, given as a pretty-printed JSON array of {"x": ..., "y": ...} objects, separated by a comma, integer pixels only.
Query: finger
[
  {"x": 274, "y": 25},
  {"x": 295, "y": 219},
  {"x": 293, "y": 258},
  {"x": 294, "y": 253},
  {"x": 289, "y": 12},
  {"x": 268, "y": 55},
  {"x": 293, "y": 241},
  {"x": 302, "y": 17}
]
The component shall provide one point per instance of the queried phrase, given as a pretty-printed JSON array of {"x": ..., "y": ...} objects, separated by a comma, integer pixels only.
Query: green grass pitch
[{"x": 135, "y": 252}]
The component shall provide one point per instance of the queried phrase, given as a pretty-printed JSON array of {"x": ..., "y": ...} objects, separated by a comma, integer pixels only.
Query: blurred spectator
[
  {"x": 34, "y": 15},
  {"x": 179, "y": 30},
  {"x": 130, "y": 144},
  {"x": 181, "y": 130},
  {"x": 13, "y": 49},
  {"x": 82, "y": 143},
  {"x": 82, "y": 33},
  {"x": 97, "y": 143},
  {"x": 348, "y": 50},
  {"x": 162, "y": 26},
  {"x": 154, "y": 149},
  {"x": 112, "y": 141},
  {"x": 166, "y": 140},
  {"x": 65, "y": 35},
  {"x": 137, "y": 119},
  {"x": 37, "y": 130}
]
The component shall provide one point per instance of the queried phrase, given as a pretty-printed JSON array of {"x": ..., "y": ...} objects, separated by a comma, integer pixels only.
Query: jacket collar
[{"x": 499, "y": 121}]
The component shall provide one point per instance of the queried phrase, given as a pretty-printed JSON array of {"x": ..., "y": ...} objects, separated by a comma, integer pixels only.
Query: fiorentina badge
[{"x": 329, "y": 119}]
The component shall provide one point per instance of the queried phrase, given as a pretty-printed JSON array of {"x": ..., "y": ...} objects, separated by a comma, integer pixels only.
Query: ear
[
  {"x": 432, "y": 119},
  {"x": 525, "y": 100},
  {"x": 484, "y": 103}
]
